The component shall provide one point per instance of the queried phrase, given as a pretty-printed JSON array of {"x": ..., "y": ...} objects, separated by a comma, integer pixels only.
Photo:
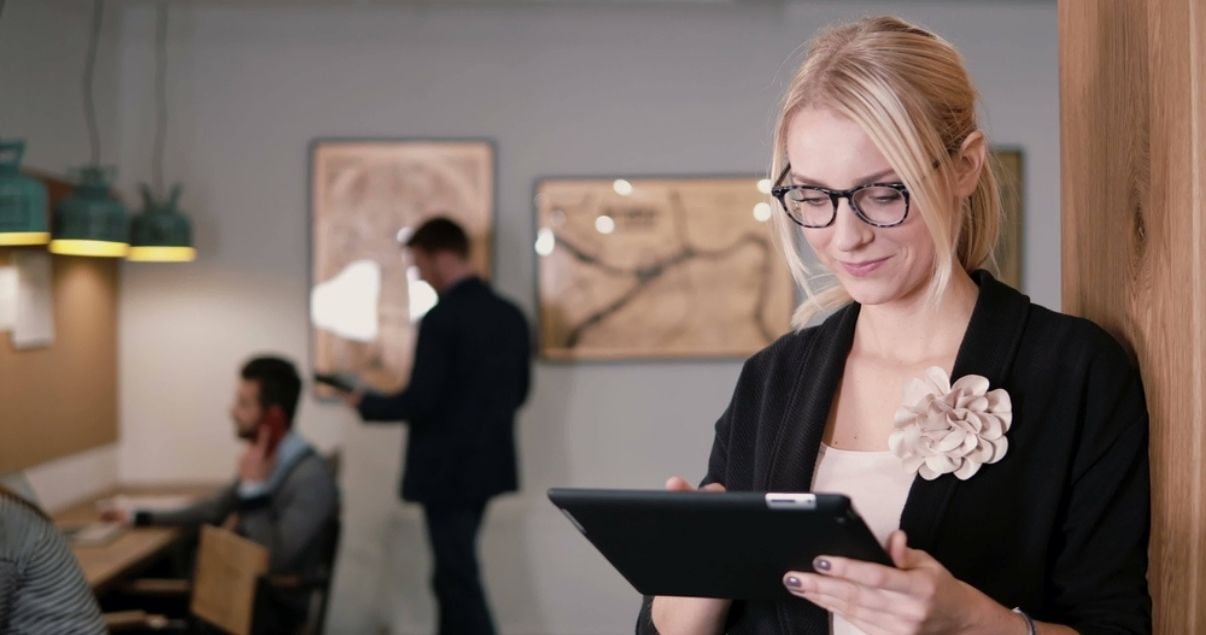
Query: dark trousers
[{"x": 452, "y": 531}]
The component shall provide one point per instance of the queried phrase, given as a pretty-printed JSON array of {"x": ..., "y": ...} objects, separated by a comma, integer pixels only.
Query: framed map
[
  {"x": 366, "y": 197},
  {"x": 1008, "y": 255},
  {"x": 658, "y": 268}
]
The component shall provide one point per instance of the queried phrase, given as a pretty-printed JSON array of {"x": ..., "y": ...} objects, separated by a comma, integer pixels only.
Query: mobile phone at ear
[
  {"x": 338, "y": 382},
  {"x": 276, "y": 428}
]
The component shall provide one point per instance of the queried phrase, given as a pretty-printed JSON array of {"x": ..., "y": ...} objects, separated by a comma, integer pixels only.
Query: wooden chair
[
  {"x": 229, "y": 568},
  {"x": 231, "y": 586},
  {"x": 222, "y": 592}
]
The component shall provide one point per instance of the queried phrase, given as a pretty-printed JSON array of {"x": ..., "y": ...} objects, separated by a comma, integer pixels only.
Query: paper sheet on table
[
  {"x": 149, "y": 502},
  {"x": 34, "y": 325},
  {"x": 8, "y": 297}
]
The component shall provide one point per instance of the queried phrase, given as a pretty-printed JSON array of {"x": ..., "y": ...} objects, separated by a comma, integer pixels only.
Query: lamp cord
[
  {"x": 161, "y": 28},
  {"x": 98, "y": 12}
]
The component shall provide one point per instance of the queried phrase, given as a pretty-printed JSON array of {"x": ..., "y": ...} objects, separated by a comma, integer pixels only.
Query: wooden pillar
[{"x": 1133, "y": 135}]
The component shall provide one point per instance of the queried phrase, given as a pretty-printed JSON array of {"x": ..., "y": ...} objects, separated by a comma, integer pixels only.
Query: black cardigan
[{"x": 1058, "y": 527}]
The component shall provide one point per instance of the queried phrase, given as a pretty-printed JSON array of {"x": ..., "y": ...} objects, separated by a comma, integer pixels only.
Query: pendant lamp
[
  {"x": 22, "y": 200},
  {"x": 91, "y": 222},
  {"x": 161, "y": 233}
]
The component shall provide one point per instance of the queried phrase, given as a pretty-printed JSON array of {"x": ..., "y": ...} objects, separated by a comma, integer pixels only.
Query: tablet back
[{"x": 729, "y": 545}]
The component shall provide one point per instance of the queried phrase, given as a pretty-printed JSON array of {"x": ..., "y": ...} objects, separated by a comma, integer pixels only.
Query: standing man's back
[
  {"x": 461, "y": 443},
  {"x": 470, "y": 376}
]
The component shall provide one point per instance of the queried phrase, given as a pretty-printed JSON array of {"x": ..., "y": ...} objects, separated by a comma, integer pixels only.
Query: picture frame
[
  {"x": 657, "y": 267},
  {"x": 366, "y": 197},
  {"x": 1008, "y": 164}
]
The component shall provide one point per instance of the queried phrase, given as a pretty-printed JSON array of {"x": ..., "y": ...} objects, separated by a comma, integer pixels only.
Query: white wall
[
  {"x": 42, "y": 50},
  {"x": 562, "y": 90}
]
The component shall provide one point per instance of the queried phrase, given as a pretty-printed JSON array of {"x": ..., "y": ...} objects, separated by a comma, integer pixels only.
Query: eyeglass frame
[{"x": 835, "y": 196}]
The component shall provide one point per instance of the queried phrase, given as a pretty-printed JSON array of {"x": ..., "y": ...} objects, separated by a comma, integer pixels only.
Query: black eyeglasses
[{"x": 877, "y": 204}]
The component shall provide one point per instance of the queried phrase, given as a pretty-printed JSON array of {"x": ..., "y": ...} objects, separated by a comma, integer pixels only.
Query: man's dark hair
[
  {"x": 278, "y": 380},
  {"x": 440, "y": 234}
]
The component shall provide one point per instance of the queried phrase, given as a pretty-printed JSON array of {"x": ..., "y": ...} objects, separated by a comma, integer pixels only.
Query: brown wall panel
[
  {"x": 62, "y": 399},
  {"x": 1133, "y": 121}
]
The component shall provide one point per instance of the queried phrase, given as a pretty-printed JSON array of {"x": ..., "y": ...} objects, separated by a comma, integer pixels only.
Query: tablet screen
[{"x": 729, "y": 545}]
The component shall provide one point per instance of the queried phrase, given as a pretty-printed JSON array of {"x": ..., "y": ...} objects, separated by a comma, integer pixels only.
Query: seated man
[{"x": 285, "y": 496}]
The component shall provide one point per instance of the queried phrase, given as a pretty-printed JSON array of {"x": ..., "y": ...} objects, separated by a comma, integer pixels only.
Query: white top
[{"x": 876, "y": 483}]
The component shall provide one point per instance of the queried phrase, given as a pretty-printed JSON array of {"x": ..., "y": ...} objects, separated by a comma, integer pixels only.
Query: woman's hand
[
  {"x": 682, "y": 615},
  {"x": 918, "y": 596}
]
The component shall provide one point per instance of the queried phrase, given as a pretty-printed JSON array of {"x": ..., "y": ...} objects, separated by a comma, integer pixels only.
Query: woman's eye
[{"x": 815, "y": 201}]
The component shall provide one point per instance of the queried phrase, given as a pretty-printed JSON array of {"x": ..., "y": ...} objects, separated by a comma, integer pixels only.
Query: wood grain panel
[
  {"x": 62, "y": 399},
  {"x": 1133, "y": 141}
]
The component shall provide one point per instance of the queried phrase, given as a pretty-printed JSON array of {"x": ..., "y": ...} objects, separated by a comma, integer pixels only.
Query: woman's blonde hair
[{"x": 908, "y": 90}]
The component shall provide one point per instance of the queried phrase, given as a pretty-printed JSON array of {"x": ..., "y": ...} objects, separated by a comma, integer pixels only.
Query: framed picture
[
  {"x": 1008, "y": 165},
  {"x": 658, "y": 268},
  {"x": 366, "y": 197}
]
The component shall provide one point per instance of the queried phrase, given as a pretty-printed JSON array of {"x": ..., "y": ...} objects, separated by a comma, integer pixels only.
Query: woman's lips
[{"x": 864, "y": 268}]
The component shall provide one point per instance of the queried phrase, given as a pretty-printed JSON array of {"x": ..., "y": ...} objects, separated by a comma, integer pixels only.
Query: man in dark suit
[{"x": 470, "y": 375}]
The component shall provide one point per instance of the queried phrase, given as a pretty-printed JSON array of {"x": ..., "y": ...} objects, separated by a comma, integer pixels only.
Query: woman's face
[{"x": 876, "y": 265}]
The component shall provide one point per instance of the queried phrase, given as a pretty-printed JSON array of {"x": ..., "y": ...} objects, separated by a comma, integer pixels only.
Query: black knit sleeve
[{"x": 1099, "y": 565}]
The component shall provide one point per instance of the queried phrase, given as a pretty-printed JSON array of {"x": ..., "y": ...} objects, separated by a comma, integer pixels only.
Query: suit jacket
[
  {"x": 470, "y": 375},
  {"x": 1059, "y": 527}
]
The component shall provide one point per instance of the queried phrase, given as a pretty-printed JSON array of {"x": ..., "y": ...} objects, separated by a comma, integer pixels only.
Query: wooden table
[{"x": 134, "y": 548}]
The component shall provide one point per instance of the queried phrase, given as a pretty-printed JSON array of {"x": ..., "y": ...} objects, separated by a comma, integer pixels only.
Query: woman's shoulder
[
  {"x": 1074, "y": 339},
  {"x": 22, "y": 527},
  {"x": 1040, "y": 339}
]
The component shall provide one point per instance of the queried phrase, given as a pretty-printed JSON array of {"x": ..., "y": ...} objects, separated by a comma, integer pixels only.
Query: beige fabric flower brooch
[{"x": 943, "y": 428}]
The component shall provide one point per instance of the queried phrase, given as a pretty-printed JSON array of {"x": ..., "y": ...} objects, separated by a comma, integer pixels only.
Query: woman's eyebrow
[{"x": 800, "y": 179}]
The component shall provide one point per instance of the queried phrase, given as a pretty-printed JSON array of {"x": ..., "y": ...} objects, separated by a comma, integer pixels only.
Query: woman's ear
[{"x": 970, "y": 162}]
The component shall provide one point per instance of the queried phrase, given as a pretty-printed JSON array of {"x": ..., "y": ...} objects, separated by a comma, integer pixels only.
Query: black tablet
[
  {"x": 728, "y": 545},
  {"x": 342, "y": 383}
]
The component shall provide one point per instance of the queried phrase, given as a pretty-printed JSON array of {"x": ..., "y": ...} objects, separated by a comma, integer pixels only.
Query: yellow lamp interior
[
  {"x": 162, "y": 254},
  {"x": 12, "y": 239},
  {"x": 94, "y": 248}
]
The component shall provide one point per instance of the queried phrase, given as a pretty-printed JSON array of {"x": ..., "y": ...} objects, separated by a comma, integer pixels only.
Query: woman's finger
[
  {"x": 898, "y": 544},
  {"x": 906, "y": 558},
  {"x": 678, "y": 484},
  {"x": 845, "y": 593},
  {"x": 868, "y": 621},
  {"x": 868, "y": 574}
]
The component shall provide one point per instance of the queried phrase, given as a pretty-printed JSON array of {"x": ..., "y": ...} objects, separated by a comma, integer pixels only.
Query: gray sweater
[
  {"x": 41, "y": 587},
  {"x": 292, "y": 521}
]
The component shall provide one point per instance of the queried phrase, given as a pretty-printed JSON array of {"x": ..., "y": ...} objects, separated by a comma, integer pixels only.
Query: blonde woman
[{"x": 998, "y": 449}]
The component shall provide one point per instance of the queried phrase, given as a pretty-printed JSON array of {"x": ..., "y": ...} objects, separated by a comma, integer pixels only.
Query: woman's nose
[{"x": 849, "y": 231}]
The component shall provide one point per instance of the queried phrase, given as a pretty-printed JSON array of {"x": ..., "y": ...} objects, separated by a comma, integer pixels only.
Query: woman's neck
[{"x": 913, "y": 330}]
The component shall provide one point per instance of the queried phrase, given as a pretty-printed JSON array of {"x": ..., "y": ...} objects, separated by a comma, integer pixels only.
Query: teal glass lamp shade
[
  {"x": 161, "y": 233},
  {"x": 91, "y": 222},
  {"x": 22, "y": 200}
]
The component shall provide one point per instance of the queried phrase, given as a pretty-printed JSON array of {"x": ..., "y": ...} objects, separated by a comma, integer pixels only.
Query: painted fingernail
[
  {"x": 821, "y": 564},
  {"x": 793, "y": 582}
]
